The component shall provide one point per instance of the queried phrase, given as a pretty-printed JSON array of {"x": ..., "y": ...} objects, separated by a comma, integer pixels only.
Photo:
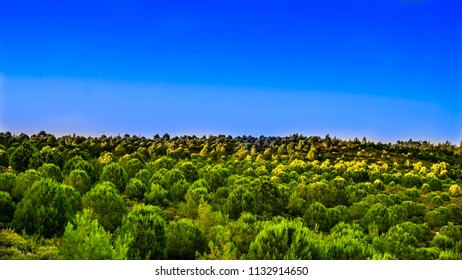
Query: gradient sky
[{"x": 387, "y": 70}]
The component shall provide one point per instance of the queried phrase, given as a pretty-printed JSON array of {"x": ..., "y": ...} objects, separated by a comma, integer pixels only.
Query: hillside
[{"x": 223, "y": 197}]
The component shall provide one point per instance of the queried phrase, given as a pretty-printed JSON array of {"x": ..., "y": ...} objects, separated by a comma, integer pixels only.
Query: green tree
[
  {"x": 7, "y": 207},
  {"x": 437, "y": 218},
  {"x": 318, "y": 216},
  {"x": 403, "y": 240},
  {"x": 377, "y": 216},
  {"x": 49, "y": 170},
  {"x": 349, "y": 243},
  {"x": 115, "y": 174},
  {"x": 157, "y": 195},
  {"x": 75, "y": 198},
  {"x": 44, "y": 210},
  {"x": 215, "y": 177},
  {"x": 239, "y": 200},
  {"x": 268, "y": 197},
  {"x": 243, "y": 231},
  {"x": 194, "y": 197},
  {"x": 132, "y": 166},
  {"x": 107, "y": 205},
  {"x": 21, "y": 156},
  {"x": 135, "y": 189},
  {"x": 87, "y": 240},
  {"x": 148, "y": 230},
  {"x": 78, "y": 163},
  {"x": 286, "y": 240},
  {"x": 7, "y": 182},
  {"x": 178, "y": 191},
  {"x": 24, "y": 181},
  {"x": 189, "y": 170},
  {"x": 79, "y": 179},
  {"x": 144, "y": 175},
  {"x": 184, "y": 240}
]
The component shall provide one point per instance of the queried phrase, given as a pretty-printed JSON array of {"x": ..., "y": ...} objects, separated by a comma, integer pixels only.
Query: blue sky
[{"x": 388, "y": 71}]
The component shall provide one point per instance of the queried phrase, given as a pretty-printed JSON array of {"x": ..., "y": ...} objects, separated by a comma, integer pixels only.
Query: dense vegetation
[{"x": 221, "y": 197}]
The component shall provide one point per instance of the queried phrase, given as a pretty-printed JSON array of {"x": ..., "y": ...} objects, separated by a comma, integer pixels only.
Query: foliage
[
  {"x": 115, "y": 174},
  {"x": 49, "y": 170},
  {"x": 268, "y": 197},
  {"x": 44, "y": 210},
  {"x": 79, "y": 179},
  {"x": 239, "y": 200},
  {"x": 107, "y": 205},
  {"x": 21, "y": 156},
  {"x": 135, "y": 189},
  {"x": 148, "y": 230},
  {"x": 16, "y": 247},
  {"x": 88, "y": 240},
  {"x": 7, "y": 207},
  {"x": 224, "y": 197},
  {"x": 7, "y": 182},
  {"x": 185, "y": 239},
  {"x": 286, "y": 240},
  {"x": 24, "y": 181}
]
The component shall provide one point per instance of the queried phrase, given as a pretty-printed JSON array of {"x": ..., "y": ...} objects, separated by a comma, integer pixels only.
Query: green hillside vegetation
[{"x": 226, "y": 198}]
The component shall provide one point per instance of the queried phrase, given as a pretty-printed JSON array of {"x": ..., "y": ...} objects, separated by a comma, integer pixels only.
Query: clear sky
[{"x": 388, "y": 70}]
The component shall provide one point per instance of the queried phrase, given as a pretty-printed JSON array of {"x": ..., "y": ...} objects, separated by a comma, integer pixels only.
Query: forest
[{"x": 228, "y": 198}]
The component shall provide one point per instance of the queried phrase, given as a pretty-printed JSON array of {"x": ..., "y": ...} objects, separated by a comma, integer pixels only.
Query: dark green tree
[
  {"x": 148, "y": 230},
  {"x": 49, "y": 170},
  {"x": 78, "y": 163},
  {"x": 286, "y": 240},
  {"x": 44, "y": 210},
  {"x": 189, "y": 170},
  {"x": 144, "y": 175},
  {"x": 243, "y": 231},
  {"x": 350, "y": 243},
  {"x": 132, "y": 166},
  {"x": 7, "y": 207},
  {"x": 115, "y": 174},
  {"x": 157, "y": 195},
  {"x": 75, "y": 198},
  {"x": 79, "y": 179},
  {"x": 135, "y": 189},
  {"x": 178, "y": 191},
  {"x": 267, "y": 196},
  {"x": 107, "y": 205},
  {"x": 24, "y": 182},
  {"x": 239, "y": 200},
  {"x": 184, "y": 240},
  {"x": 21, "y": 156},
  {"x": 7, "y": 182},
  {"x": 403, "y": 240},
  {"x": 318, "y": 216},
  {"x": 378, "y": 216}
]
